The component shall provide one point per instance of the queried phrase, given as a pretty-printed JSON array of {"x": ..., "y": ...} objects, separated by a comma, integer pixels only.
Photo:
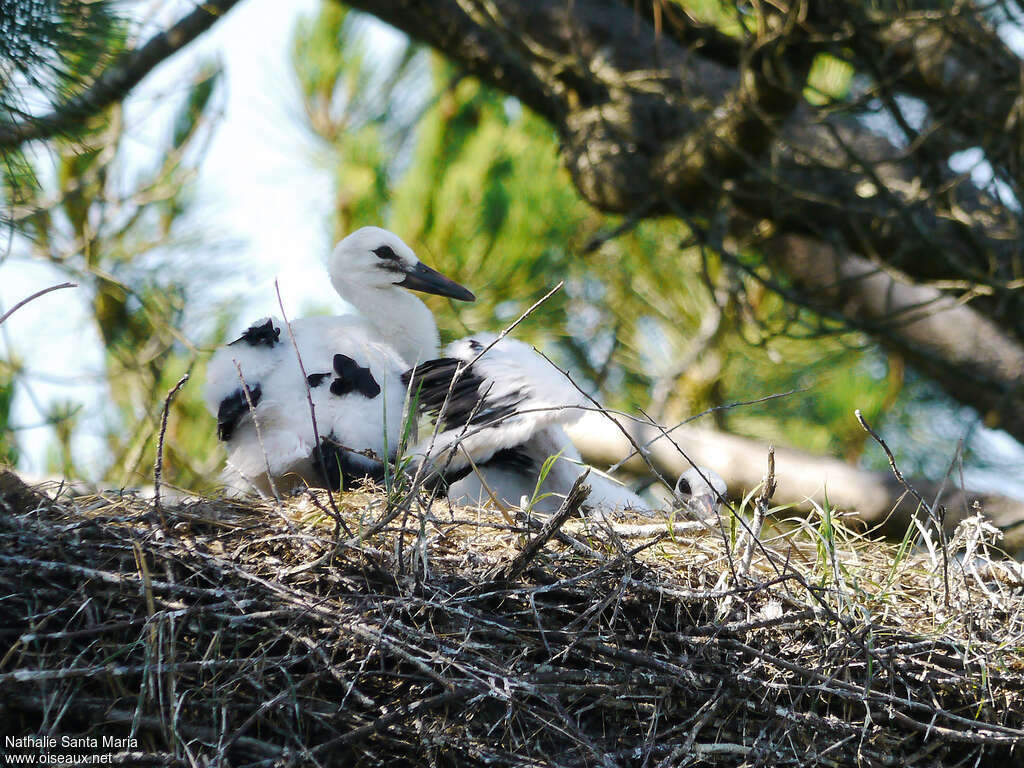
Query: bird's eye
[
  {"x": 684, "y": 486},
  {"x": 385, "y": 252}
]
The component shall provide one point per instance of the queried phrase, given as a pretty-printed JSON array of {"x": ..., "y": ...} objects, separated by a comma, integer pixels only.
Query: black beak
[
  {"x": 423, "y": 278},
  {"x": 706, "y": 503}
]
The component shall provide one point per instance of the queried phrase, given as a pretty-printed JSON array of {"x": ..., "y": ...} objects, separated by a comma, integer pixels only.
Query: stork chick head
[
  {"x": 702, "y": 490},
  {"x": 372, "y": 257}
]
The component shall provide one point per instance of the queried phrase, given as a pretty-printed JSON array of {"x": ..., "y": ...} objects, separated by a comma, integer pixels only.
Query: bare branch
[
  {"x": 158, "y": 467},
  {"x": 259, "y": 432},
  {"x": 338, "y": 522},
  {"x": 760, "y": 512},
  {"x": 876, "y": 498},
  {"x": 651, "y": 105},
  {"x": 35, "y": 295}
]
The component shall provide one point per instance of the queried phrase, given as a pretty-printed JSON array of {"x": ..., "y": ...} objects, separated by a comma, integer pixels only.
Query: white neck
[{"x": 402, "y": 320}]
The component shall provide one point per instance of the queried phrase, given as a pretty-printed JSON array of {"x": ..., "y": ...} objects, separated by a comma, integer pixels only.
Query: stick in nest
[
  {"x": 760, "y": 512},
  {"x": 158, "y": 467},
  {"x": 570, "y": 507},
  {"x": 935, "y": 519},
  {"x": 505, "y": 509},
  {"x": 590, "y": 639}
]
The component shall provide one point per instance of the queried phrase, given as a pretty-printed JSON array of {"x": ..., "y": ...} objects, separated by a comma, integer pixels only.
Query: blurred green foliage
[
  {"x": 8, "y": 448},
  {"x": 53, "y": 49}
]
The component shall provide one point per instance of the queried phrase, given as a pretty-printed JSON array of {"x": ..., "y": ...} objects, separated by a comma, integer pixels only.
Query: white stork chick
[
  {"x": 702, "y": 491},
  {"x": 353, "y": 368},
  {"x": 502, "y": 419}
]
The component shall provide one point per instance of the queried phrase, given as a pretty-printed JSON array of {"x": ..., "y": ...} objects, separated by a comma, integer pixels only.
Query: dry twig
[
  {"x": 570, "y": 507},
  {"x": 35, "y": 295},
  {"x": 760, "y": 512},
  {"x": 158, "y": 467},
  {"x": 259, "y": 431},
  {"x": 339, "y": 524}
]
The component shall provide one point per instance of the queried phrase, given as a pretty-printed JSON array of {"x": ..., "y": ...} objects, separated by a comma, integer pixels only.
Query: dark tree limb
[
  {"x": 955, "y": 62},
  {"x": 118, "y": 79}
]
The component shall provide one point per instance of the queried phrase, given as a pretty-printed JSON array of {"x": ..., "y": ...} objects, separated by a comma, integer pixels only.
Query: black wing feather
[
  {"x": 352, "y": 377},
  {"x": 468, "y": 403},
  {"x": 232, "y": 408},
  {"x": 257, "y": 334},
  {"x": 340, "y": 468},
  {"x": 514, "y": 459},
  {"x": 316, "y": 379}
]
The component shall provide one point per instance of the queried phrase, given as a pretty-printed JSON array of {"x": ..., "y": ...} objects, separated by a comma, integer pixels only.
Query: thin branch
[
  {"x": 501, "y": 506},
  {"x": 760, "y": 512},
  {"x": 892, "y": 464},
  {"x": 937, "y": 519},
  {"x": 35, "y": 295},
  {"x": 570, "y": 507},
  {"x": 642, "y": 212},
  {"x": 714, "y": 409},
  {"x": 158, "y": 466},
  {"x": 259, "y": 432},
  {"x": 457, "y": 376},
  {"x": 339, "y": 524}
]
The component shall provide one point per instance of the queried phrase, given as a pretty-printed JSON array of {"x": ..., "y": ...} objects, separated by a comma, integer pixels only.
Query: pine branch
[{"x": 118, "y": 79}]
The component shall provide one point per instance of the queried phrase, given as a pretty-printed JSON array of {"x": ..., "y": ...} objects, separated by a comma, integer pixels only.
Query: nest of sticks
[{"x": 390, "y": 632}]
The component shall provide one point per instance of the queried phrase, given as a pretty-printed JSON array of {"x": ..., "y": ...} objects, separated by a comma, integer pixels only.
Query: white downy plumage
[
  {"x": 353, "y": 366},
  {"x": 502, "y": 419},
  {"x": 513, "y": 475}
]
